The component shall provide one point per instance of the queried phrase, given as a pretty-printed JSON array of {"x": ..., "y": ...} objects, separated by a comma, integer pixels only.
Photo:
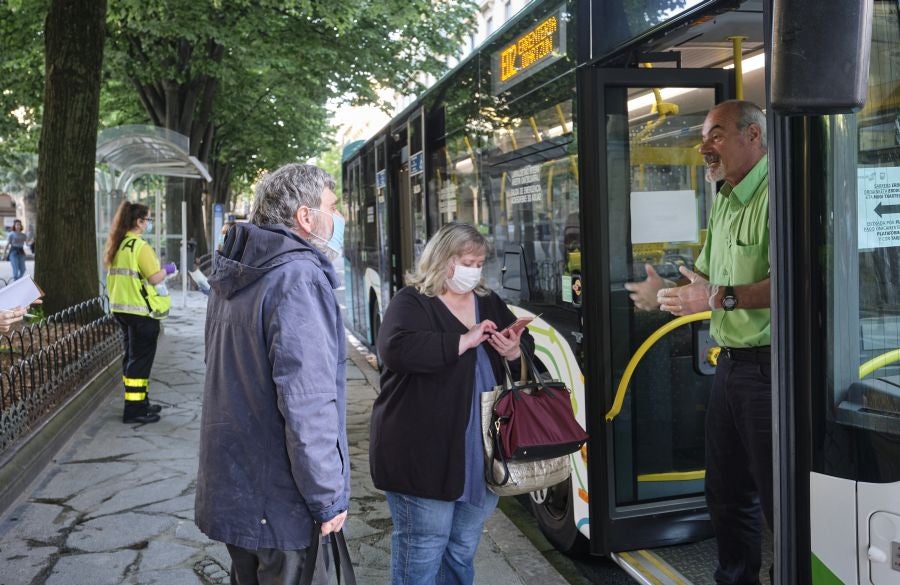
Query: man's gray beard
[
  {"x": 316, "y": 241},
  {"x": 715, "y": 176},
  {"x": 321, "y": 246}
]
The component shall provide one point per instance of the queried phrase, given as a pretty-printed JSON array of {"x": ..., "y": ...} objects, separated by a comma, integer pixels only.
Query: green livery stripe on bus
[{"x": 822, "y": 575}]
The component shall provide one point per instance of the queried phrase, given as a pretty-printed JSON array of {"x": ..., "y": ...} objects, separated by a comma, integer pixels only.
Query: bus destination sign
[{"x": 543, "y": 44}]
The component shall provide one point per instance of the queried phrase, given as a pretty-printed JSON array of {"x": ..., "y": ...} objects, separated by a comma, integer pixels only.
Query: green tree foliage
[
  {"x": 247, "y": 80},
  {"x": 22, "y": 74}
]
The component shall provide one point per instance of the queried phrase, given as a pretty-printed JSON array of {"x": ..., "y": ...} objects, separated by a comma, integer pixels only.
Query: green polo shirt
[{"x": 737, "y": 252}]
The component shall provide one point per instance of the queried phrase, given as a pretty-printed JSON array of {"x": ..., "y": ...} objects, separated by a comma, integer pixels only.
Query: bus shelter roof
[{"x": 135, "y": 150}]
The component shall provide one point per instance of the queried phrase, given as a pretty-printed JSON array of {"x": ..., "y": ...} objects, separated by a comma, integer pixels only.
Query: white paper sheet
[
  {"x": 664, "y": 216},
  {"x": 19, "y": 293}
]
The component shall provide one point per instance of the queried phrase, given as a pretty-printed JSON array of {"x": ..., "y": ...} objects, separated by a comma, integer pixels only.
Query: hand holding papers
[
  {"x": 19, "y": 293},
  {"x": 14, "y": 298}
]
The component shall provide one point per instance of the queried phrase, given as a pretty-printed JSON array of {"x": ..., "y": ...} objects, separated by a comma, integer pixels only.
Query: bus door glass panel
[
  {"x": 382, "y": 219},
  {"x": 531, "y": 165},
  {"x": 658, "y": 208},
  {"x": 864, "y": 376},
  {"x": 351, "y": 266},
  {"x": 404, "y": 255},
  {"x": 370, "y": 250},
  {"x": 417, "y": 175}
]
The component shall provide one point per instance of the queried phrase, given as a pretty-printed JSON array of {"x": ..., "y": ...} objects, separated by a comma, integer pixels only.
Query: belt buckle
[{"x": 726, "y": 351}]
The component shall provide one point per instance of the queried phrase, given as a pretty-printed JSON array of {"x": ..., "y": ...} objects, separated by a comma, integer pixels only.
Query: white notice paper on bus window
[
  {"x": 664, "y": 216},
  {"x": 19, "y": 293},
  {"x": 878, "y": 207}
]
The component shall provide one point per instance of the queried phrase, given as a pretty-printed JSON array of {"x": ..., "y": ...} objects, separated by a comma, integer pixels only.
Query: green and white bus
[{"x": 570, "y": 140}]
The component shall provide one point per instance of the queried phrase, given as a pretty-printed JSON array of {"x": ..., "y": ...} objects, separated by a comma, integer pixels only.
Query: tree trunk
[{"x": 66, "y": 262}]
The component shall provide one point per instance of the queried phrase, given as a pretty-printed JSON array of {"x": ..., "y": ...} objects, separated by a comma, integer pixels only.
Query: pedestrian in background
[
  {"x": 139, "y": 300},
  {"x": 441, "y": 346},
  {"x": 731, "y": 277},
  {"x": 15, "y": 249},
  {"x": 273, "y": 442}
]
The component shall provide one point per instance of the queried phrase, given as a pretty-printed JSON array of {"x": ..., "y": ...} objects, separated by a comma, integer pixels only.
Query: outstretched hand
[
  {"x": 688, "y": 299},
  {"x": 644, "y": 293}
]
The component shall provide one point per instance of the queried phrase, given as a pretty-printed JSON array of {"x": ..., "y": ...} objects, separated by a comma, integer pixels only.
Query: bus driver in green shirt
[{"x": 731, "y": 277}]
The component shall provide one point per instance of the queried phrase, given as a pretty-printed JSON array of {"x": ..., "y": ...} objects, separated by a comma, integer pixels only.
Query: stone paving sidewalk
[{"x": 116, "y": 504}]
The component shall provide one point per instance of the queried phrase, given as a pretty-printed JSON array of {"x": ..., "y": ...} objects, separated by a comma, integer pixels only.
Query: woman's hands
[
  {"x": 506, "y": 343},
  {"x": 476, "y": 335}
]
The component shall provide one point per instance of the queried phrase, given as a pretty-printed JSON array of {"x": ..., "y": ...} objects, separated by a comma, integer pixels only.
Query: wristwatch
[{"x": 729, "y": 301}]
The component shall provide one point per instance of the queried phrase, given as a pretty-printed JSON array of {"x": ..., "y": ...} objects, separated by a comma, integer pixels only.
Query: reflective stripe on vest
[{"x": 125, "y": 272}]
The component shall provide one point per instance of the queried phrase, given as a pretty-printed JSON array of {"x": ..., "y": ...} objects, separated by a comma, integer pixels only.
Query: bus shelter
[{"x": 128, "y": 153}]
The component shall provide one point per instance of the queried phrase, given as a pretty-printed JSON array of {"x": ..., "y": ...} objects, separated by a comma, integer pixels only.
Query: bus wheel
[{"x": 555, "y": 513}]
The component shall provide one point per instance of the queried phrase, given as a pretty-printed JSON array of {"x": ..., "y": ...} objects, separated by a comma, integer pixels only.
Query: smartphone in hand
[{"x": 519, "y": 324}]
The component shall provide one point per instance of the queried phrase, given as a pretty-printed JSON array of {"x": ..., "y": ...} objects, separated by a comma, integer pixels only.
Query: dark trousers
[
  {"x": 739, "y": 466},
  {"x": 274, "y": 567},
  {"x": 141, "y": 334}
]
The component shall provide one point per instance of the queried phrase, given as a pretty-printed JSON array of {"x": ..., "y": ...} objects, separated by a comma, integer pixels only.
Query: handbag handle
[
  {"x": 526, "y": 363},
  {"x": 340, "y": 556}
]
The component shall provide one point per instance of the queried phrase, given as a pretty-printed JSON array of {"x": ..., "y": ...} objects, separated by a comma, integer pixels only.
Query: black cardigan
[{"x": 417, "y": 434}]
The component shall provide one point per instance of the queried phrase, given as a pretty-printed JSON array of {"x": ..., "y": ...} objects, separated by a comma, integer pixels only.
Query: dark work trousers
[
  {"x": 274, "y": 567},
  {"x": 141, "y": 334},
  {"x": 739, "y": 466}
]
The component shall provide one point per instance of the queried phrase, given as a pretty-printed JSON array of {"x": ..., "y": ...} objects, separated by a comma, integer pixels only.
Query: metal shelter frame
[{"x": 132, "y": 151}]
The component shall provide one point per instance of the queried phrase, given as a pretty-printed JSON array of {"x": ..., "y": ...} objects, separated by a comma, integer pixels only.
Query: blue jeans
[
  {"x": 17, "y": 259},
  {"x": 434, "y": 542}
]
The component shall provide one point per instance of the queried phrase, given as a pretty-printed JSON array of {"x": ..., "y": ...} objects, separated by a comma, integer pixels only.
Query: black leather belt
[{"x": 757, "y": 355}]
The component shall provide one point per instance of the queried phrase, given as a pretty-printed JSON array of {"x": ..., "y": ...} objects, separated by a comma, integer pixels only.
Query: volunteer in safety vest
[{"x": 139, "y": 300}]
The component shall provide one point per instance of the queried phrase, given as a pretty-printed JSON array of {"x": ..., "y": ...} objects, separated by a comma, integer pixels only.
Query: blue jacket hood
[{"x": 251, "y": 251}]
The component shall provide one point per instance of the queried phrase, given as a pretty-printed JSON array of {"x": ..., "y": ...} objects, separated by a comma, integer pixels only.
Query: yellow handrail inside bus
[
  {"x": 879, "y": 362},
  {"x": 639, "y": 354},
  {"x": 738, "y": 55}
]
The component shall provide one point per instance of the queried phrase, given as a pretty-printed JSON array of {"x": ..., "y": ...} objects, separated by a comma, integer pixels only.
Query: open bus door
[{"x": 650, "y": 207}]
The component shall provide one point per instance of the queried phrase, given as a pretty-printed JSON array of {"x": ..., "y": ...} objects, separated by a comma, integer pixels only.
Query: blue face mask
[
  {"x": 336, "y": 242},
  {"x": 149, "y": 227}
]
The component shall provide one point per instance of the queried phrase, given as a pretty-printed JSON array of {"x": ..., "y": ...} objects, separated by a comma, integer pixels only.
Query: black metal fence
[{"x": 42, "y": 364}]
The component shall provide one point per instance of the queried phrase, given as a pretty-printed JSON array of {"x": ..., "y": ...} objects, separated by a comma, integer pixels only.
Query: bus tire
[{"x": 555, "y": 513}]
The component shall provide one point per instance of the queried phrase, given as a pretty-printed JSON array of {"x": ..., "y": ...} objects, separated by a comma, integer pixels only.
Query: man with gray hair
[
  {"x": 274, "y": 462},
  {"x": 731, "y": 278}
]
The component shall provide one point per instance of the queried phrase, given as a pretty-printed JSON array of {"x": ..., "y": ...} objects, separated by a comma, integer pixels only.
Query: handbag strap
[
  {"x": 498, "y": 455},
  {"x": 525, "y": 363},
  {"x": 340, "y": 556}
]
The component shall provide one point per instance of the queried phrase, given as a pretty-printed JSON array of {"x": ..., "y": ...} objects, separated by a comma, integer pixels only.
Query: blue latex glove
[{"x": 170, "y": 267}]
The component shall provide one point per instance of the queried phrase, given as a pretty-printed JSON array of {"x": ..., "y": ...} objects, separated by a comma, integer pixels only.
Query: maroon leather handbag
[{"x": 534, "y": 420}]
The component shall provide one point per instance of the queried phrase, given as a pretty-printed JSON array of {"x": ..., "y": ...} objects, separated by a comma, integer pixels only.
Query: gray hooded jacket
[{"x": 273, "y": 442}]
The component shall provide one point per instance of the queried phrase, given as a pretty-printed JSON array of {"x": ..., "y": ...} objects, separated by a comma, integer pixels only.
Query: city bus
[{"x": 569, "y": 139}]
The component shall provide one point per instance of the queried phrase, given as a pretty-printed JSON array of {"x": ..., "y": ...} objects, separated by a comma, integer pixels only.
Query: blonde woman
[{"x": 442, "y": 346}]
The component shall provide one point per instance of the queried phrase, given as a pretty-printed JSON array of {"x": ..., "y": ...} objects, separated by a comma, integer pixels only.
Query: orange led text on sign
[{"x": 528, "y": 50}]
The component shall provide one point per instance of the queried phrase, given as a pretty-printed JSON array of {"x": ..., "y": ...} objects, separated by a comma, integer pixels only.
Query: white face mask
[{"x": 464, "y": 279}]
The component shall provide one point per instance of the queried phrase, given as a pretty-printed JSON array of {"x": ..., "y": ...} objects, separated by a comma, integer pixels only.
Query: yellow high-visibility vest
[{"x": 128, "y": 291}]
